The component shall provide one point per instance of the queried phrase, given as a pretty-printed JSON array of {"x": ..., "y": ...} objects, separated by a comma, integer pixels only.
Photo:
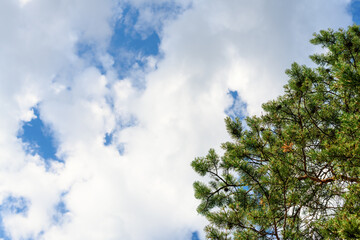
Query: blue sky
[
  {"x": 138, "y": 45},
  {"x": 39, "y": 138},
  {"x": 141, "y": 88},
  {"x": 355, "y": 11}
]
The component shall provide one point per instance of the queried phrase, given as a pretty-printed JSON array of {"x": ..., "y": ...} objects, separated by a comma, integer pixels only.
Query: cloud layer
[{"x": 163, "y": 113}]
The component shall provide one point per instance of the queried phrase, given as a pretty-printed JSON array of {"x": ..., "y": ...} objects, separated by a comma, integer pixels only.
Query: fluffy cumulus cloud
[{"x": 125, "y": 134}]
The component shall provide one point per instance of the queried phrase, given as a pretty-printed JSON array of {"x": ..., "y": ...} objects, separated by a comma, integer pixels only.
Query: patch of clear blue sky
[
  {"x": 108, "y": 139},
  {"x": 132, "y": 42},
  {"x": 195, "y": 236},
  {"x": 354, "y": 9},
  {"x": 38, "y": 138},
  {"x": 129, "y": 46}
]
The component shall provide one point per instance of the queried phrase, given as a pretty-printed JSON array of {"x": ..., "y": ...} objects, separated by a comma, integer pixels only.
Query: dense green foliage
[{"x": 294, "y": 172}]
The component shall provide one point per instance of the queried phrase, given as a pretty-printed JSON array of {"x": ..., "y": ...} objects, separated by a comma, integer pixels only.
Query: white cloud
[{"x": 146, "y": 193}]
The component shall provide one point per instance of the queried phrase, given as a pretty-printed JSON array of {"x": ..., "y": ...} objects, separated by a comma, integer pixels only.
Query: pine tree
[{"x": 294, "y": 172}]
